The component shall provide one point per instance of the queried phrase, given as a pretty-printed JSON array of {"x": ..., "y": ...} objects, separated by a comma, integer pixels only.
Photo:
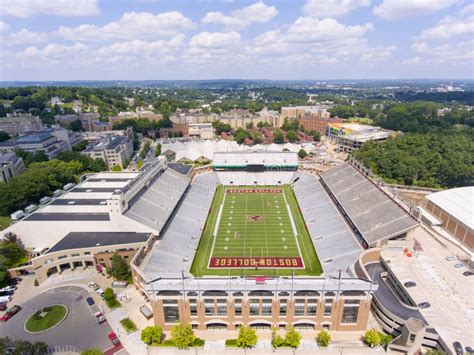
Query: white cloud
[
  {"x": 141, "y": 48},
  {"x": 450, "y": 26},
  {"x": 332, "y": 8},
  {"x": 307, "y": 29},
  {"x": 400, "y": 9},
  {"x": 377, "y": 54},
  {"x": 242, "y": 18},
  {"x": 137, "y": 25},
  {"x": 413, "y": 61},
  {"x": 24, "y": 37},
  {"x": 448, "y": 53},
  {"x": 4, "y": 27},
  {"x": 215, "y": 40},
  {"x": 28, "y": 8}
]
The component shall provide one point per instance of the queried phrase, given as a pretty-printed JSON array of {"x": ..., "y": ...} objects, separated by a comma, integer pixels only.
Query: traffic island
[{"x": 46, "y": 318}]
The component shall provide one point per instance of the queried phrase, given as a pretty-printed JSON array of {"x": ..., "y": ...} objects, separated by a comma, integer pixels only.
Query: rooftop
[{"x": 457, "y": 202}]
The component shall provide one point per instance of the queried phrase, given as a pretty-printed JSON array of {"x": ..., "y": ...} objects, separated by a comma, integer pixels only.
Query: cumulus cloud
[
  {"x": 448, "y": 53},
  {"x": 215, "y": 39},
  {"x": 413, "y": 61},
  {"x": 242, "y": 18},
  {"x": 24, "y": 37},
  {"x": 400, "y": 9},
  {"x": 28, "y": 8},
  {"x": 332, "y": 8},
  {"x": 4, "y": 27},
  {"x": 131, "y": 25},
  {"x": 450, "y": 26}
]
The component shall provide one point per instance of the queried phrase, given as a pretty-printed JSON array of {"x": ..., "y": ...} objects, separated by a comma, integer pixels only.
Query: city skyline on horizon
[{"x": 99, "y": 40}]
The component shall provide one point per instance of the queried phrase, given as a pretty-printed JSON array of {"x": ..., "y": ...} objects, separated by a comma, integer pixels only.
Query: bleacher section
[
  {"x": 374, "y": 214},
  {"x": 175, "y": 252},
  {"x": 263, "y": 178},
  {"x": 332, "y": 238},
  {"x": 153, "y": 206}
]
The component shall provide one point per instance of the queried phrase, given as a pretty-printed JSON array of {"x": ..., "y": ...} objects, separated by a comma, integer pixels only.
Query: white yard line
[
  {"x": 293, "y": 225},
  {"x": 264, "y": 223},
  {"x": 216, "y": 227}
]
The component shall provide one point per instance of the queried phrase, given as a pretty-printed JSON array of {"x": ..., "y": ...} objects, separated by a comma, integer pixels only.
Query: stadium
[{"x": 250, "y": 240}]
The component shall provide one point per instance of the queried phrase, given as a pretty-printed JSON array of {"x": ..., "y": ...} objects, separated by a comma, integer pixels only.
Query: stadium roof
[
  {"x": 268, "y": 158},
  {"x": 375, "y": 215},
  {"x": 458, "y": 202}
]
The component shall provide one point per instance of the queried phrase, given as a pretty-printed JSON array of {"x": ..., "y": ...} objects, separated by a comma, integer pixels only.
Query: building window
[
  {"x": 350, "y": 311},
  {"x": 328, "y": 308},
  {"x": 267, "y": 307},
  {"x": 170, "y": 311},
  {"x": 222, "y": 309},
  {"x": 282, "y": 307},
  {"x": 238, "y": 307},
  {"x": 193, "y": 309},
  {"x": 299, "y": 307},
  {"x": 254, "y": 307},
  {"x": 311, "y": 307},
  {"x": 209, "y": 307}
]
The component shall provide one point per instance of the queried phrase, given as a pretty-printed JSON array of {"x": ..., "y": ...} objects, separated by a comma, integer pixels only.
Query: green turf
[
  {"x": 5, "y": 221},
  {"x": 238, "y": 237},
  {"x": 53, "y": 315}
]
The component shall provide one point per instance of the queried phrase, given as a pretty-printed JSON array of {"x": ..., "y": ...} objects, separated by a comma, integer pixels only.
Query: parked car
[
  {"x": 459, "y": 265},
  {"x": 6, "y": 298},
  {"x": 451, "y": 258},
  {"x": 468, "y": 273},
  {"x": 100, "y": 292},
  {"x": 119, "y": 284},
  {"x": 3, "y": 306},
  {"x": 409, "y": 284},
  {"x": 10, "y": 313},
  {"x": 99, "y": 317},
  {"x": 114, "y": 338},
  {"x": 90, "y": 301},
  {"x": 93, "y": 285},
  {"x": 458, "y": 348},
  {"x": 424, "y": 305},
  {"x": 6, "y": 293},
  {"x": 8, "y": 288},
  {"x": 469, "y": 350}
]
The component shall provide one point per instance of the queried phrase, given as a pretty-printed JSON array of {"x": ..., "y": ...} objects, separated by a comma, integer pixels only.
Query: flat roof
[
  {"x": 78, "y": 202},
  {"x": 39, "y": 216},
  {"x": 458, "y": 202},
  {"x": 80, "y": 240},
  {"x": 180, "y": 168},
  {"x": 95, "y": 189}
]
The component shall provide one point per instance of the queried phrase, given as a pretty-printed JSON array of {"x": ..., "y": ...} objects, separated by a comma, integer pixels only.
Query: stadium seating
[
  {"x": 175, "y": 251},
  {"x": 375, "y": 215},
  {"x": 332, "y": 238},
  {"x": 247, "y": 178}
]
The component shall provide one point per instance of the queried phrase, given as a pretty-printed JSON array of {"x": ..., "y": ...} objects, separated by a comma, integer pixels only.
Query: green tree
[
  {"x": 247, "y": 338},
  {"x": 151, "y": 335},
  {"x": 292, "y": 136},
  {"x": 139, "y": 164},
  {"x": 260, "y": 124},
  {"x": 116, "y": 168},
  {"x": 220, "y": 127},
  {"x": 317, "y": 136},
  {"x": 286, "y": 125},
  {"x": 165, "y": 110},
  {"x": 372, "y": 338},
  {"x": 76, "y": 125},
  {"x": 302, "y": 154},
  {"x": 158, "y": 150},
  {"x": 119, "y": 268},
  {"x": 293, "y": 338},
  {"x": 249, "y": 125},
  {"x": 92, "y": 352},
  {"x": 278, "y": 137},
  {"x": 4, "y": 136},
  {"x": 323, "y": 338},
  {"x": 145, "y": 149},
  {"x": 182, "y": 336},
  {"x": 240, "y": 135},
  {"x": 79, "y": 147}
]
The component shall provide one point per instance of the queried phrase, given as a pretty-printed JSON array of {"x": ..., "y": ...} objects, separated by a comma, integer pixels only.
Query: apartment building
[
  {"x": 10, "y": 166},
  {"x": 19, "y": 123},
  {"x": 114, "y": 149},
  {"x": 43, "y": 141},
  {"x": 317, "y": 122}
]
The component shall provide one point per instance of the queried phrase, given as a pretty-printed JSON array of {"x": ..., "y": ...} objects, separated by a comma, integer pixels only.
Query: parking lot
[{"x": 80, "y": 321}]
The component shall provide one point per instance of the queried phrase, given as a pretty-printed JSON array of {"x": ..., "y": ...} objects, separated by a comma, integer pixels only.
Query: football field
[{"x": 255, "y": 230}]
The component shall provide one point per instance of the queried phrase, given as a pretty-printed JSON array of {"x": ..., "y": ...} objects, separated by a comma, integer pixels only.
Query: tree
[
  {"x": 119, "y": 268},
  {"x": 317, "y": 136},
  {"x": 372, "y": 338},
  {"x": 240, "y": 135},
  {"x": 75, "y": 125},
  {"x": 4, "y": 136},
  {"x": 145, "y": 149},
  {"x": 247, "y": 338},
  {"x": 139, "y": 164},
  {"x": 260, "y": 124},
  {"x": 79, "y": 147},
  {"x": 302, "y": 154},
  {"x": 292, "y": 136},
  {"x": 220, "y": 127},
  {"x": 293, "y": 338},
  {"x": 278, "y": 137},
  {"x": 116, "y": 168},
  {"x": 165, "y": 110},
  {"x": 323, "y": 338},
  {"x": 158, "y": 150},
  {"x": 249, "y": 125},
  {"x": 182, "y": 336},
  {"x": 92, "y": 352},
  {"x": 23, "y": 347},
  {"x": 151, "y": 335}
]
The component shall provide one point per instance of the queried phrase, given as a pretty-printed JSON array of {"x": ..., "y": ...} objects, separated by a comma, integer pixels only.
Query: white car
[
  {"x": 93, "y": 285},
  {"x": 451, "y": 258},
  {"x": 8, "y": 288},
  {"x": 5, "y": 299},
  {"x": 459, "y": 265},
  {"x": 100, "y": 292},
  {"x": 99, "y": 317}
]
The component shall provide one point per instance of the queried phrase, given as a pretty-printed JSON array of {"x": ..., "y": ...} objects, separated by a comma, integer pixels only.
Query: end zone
[{"x": 256, "y": 262}]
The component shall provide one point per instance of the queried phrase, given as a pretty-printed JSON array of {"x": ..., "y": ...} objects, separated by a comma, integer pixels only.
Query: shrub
[
  {"x": 278, "y": 341},
  {"x": 151, "y": 335},
  {"x": 385, "y": 339},
  {"x": 372, "y": 338},
  {"x": 293, "y": 338},
  {"x": 323, "y": 338},
  {"x": 36, "y": 283},
  {"x": 231, "y": 343},
  {"x": 109, "y": 297},
  {"x": 247, "y": 338},
  {"x": 198, "y": 342},
  {"x": 182, "y": 336},
  {"x": 128, "y": 325},
  {"x": 92, "y": 352}
]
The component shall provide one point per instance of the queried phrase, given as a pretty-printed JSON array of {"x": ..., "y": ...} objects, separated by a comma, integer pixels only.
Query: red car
[
  {"x": 10, "y": 313},
  {"x": 114, "y": 338}
]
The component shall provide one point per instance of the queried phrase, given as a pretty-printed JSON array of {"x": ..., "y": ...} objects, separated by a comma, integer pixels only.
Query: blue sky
[{"x": 210, "y": 39}]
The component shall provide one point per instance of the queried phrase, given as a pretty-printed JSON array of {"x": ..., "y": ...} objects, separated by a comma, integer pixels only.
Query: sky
[{"x": 225, "y": 39}]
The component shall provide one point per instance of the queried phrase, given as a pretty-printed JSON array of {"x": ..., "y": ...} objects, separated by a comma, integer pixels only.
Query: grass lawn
[
  {"x": 251, "y": 232},
  {"x": 128, "y": 325},
  {"x": 38, "y": 323},
  {"x": 5, "y": 221}
]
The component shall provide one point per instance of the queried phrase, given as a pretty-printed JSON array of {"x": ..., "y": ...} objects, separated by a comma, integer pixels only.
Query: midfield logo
[{"x": 255, "y": 218}]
